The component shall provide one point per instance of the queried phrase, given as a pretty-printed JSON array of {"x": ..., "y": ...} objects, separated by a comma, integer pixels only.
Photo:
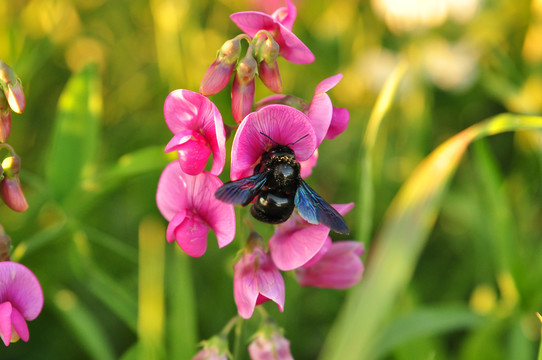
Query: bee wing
[
  {"x": 316, "y": 210},
  {"x": 242, "y": 191}
]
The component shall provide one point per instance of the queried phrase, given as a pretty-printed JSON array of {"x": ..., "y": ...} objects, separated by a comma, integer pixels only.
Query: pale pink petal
[
  {"x": 19, "y": 325},
  {"x": 328, "y": 84},
  {"x": 245, "y": 286},
  {"x": 320, "y": 254},
  {"x": 343, "y": 209},
  {"x": 339, "y": 123},
  {"x": 242, "y": 99},
  {"x": 286, "y": 15},
  {"x": 5, "y": 322},
  {"x": 171, "y": 194},
  {"x": 21, "y": 288},
  {"x": 284, "y": 124},
  {"x": 191, "y": 235},
  {"x": 292, "y": 248},
  {"x": 320, "y": 112},
  {"x": 276, "y": 347},
  {"x": 307, "y": 165},
  {"x": 340, "y": 268},
  {"x": 270, "y": 281}
]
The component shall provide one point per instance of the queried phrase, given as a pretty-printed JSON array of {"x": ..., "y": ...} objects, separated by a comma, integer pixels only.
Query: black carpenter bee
[{"x": 278, "y": 188}]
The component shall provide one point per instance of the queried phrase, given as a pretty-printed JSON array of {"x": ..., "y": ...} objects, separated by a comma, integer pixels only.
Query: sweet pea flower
[
  {"x": 243, "y": 88},
  {"x": 12, "y": 87},
  {"x": 328, "y": 122},
  {"x": 189, "y": 204},
  {"x": 215, "y": 348},
  {"x": 296, "y": 241},
  {"x": 307, "y": 165},
  {"x": 336, "y": 266},
  {"x": 21, "y": 300},
  {"x": 5, "y": 119},
  {"x": 284, "y": 124},
  {"x": 219, "y": 73},
  {"x": 279, "y": 24},
  {"x": 11, "y": 191},
  {"x": 198, "y": 131},
  {"x": 256, "y": 280},
  {"x": 271, "y": 347}
]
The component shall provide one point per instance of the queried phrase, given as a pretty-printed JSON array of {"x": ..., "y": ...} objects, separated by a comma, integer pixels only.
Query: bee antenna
[
  {"x": 269, "y": 137},
  {"x": 298, "y": 140}
]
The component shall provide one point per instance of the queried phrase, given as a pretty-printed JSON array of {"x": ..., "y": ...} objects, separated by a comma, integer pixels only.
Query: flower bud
[
  {"x": 5, "y": 244},
  {"x": 243, "y": 88},
  {"x": 270, "y": 346},
  {"x": 216, "y": 348},
  {"x": 5, "y": 119},
  {"x": 10, "y": 186},
  {"x": 270, "y": 76},
  {"x": 247, "y": 68},
  {"x": 267, "y": 49},
  {"x": 219, "y": 73},
  {"x": 12, "y": 87}
]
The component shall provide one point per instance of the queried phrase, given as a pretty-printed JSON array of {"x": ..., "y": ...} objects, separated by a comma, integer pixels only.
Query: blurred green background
[{"x": 95, "y": 75}]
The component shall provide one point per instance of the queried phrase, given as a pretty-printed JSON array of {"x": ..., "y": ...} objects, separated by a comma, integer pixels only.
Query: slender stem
[{"x": 238, "y": 339}]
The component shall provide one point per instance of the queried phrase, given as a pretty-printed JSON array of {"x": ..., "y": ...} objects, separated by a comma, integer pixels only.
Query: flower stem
[{"x": 238, "y": 338}]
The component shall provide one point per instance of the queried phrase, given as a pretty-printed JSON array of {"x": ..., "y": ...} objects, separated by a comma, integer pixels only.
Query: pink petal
[
  {"x": 21, "y": 288},
  {"x": 320, "y": 254},
  {"x": 187, "y": 110},
  {"x": 286, "y": 15},
  {"x": 340, "y": 268},
  {"x": 174, "y": 224},
  {"x": 339, "y": 123},
  {"x": 5, "y": 322},
  {"x": 19, "y": 325},
  {"x": 291, "y": 48},
  {"x": 320, "y": 112},
  {"x": 245, "y": 286},
  {"x": 270, "y": 281},
  {"x": 307, "y": 165},
  {"x": 292, "y": 248},
  {"x": 191, "y": 235},
  {"x": 193, "y": 153},
  {"x": 171, "y": 194},
  {"x": 343, "y": 209},
  {"x": 215, "y": 213},
  {"x": 283, "y": 124},
  {"x": 328, "y": 84},
  {"x": 216, "y": 77},
  {"x": 180, "y": 138}
]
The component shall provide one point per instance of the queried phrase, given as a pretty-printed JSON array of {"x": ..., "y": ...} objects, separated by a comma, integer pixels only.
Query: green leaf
[
  {"x": 425, "y": 322},
  {"x": 397, "y": 246},
  {"x": 75, "y": 135},
  {"x": 87, "y": 329}
]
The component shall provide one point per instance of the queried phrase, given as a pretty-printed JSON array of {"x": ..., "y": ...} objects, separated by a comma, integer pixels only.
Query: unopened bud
[
  {"x": 270, "y": 76},
  {"x": 12, "y": 165},
  {"x": 12, "y": 87},
  {"x": 5, "y": 119},
  {"x": 5, "y": 244},
  {"x": 219, "y": 73},
  {"x": 230, "y": 51},
  {"x": 242, "y": 98},
  {"x": 246, "y": 69},
  {"x": 12, "y": 193},
  {"x": 267, "y": 49}
]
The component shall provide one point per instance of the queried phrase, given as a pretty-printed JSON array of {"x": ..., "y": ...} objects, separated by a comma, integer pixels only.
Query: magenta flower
[
  {"x": 336, "y": 266},
  {"x": 272, "y": 347},
  {"x": 255, "y": 281},
  {"x": 198, "y": 131},
  {"x": 296, "y": 241},
  {"x": 283, "y": 124},
  {"x": 280, "y": 26},
  {"x": 21, "y": 300},
  {"x": 189, "y": 204},
  {"x": 322, "y": 113}
]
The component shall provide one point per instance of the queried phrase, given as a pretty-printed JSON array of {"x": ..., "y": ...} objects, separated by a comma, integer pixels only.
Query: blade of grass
[
  {"x": 75, "y": 134},
  {"x": 151, "y": 311},
  {"x": 366, "y": 191},
  {"x": 405, "y": 229}
]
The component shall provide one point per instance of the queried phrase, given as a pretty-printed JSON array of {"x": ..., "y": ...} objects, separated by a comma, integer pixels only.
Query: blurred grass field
[{"x": 453, "y": 263}]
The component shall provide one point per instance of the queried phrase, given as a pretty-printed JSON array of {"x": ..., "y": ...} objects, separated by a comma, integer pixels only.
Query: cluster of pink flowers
[
  {"x": 186, "y": 191},
  {"x": 21, "y": 297}
]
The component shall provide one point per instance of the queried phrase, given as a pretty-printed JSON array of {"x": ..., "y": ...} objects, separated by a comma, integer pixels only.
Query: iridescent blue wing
[
  {"x": 316, "y": 210},
  {"x": 242, "y": 191}
]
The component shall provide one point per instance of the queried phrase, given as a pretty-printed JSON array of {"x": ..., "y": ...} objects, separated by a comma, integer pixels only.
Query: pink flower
[
  {"x": 284, "y": 124},
  {"x": 243, "y": 88},
  {"x": 307, "y": 165},
  {"x": 336, "y": 266},
  {"x": 256, "y": 280},
  {"x": 296, "y": 241},
  {"x": 322, "y": 113},
  {"x": 272, "y": 347},
  {"x": 219, "y": 73},
  {"x": 21, "y": 300},
  {"x": 280, "y": 26},
  {"x": 11, "y": 191},
  {"x": 198, "y": 131},
  {"x": 12, "y": 87},
  {"x": 189, "y": 204}
]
